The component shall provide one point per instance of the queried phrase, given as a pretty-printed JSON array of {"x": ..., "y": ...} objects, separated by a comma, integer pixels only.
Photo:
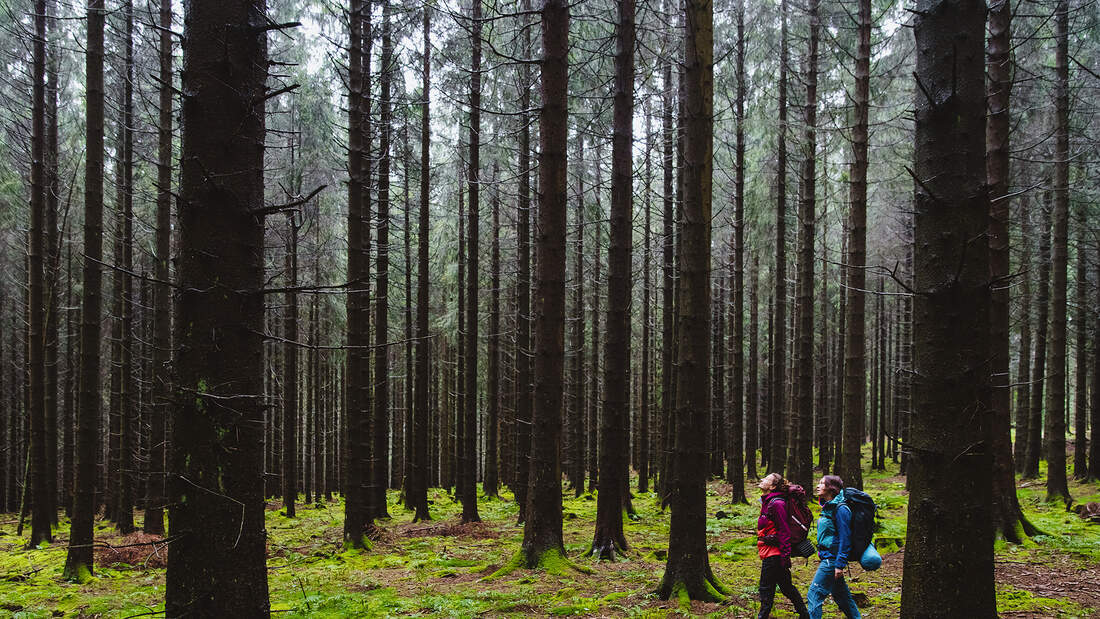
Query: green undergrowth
[
  {"x": 441, "y": 568},
  {"x": 1013, "y": 600}
]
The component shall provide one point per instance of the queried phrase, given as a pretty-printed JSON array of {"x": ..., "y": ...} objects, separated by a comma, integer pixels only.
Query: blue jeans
[{"x": 825, "y": 584}]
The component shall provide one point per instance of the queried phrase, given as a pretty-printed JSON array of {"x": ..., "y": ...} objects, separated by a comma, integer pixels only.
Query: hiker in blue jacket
[{"x": 834, "y": 545}]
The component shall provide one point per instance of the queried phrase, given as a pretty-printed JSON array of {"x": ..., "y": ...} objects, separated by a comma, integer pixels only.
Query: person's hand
[
  {"x": 771, "y": 540},
  {"x": 838, "y": 574}
]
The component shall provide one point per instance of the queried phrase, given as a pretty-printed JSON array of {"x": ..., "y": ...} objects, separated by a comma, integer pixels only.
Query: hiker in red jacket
[{"x": 773, "y": 544}]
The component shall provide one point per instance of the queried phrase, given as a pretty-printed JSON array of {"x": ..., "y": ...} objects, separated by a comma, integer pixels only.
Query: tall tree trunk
[
  {"x": 1023, "y": 363},
  {"x": 1038, "y": 372},
  {"x": 39, "y": 487},
  {"x": 644, "y": 411},
  {"x": 290, "y": 371},
  {"x": 380, "y": 421},
  {"x": 949, "y": 553},
  {"x": 492, "y": 428},
  {"x": 542, "y": 532},
  {"x": 614, "y": 439},
  {"x": 524, "y": 389},
  {"x": 668, "y": 282},
  {"x": 468, "y": 490},
  {"x": 837, "y": 431},
  {"x": 356, "y": 469},
  {"x": 1080, "y": 328},
  {"x": 878, "y": 405},
  {"x": 217, "y": 565},
  {"x": 318, "y": 381},
  {"x": 52, "y": 272},
  {"x": 1008, "y": 517},
  {"x": 417, "y": 491},
  {"x": 124, "y": 506},
  {"x": 800, "y": 465},
  {"x": 68, "y": 416},
  {"x": 735, "y": 451},
  {"x": 407, "y": 382},
  {"x": 777, "y": 450},
  {"x": 1094, "y": 405},
  {"x": 7, "y": 439},
  {"x": 592, "y": 425},
  {"x": 78, "y": 561},
  {"x": 720, "y": 306},
  {"x": 753, "y": 400},
  {"x": 823, "y": 412},
  {"x": 1055, "y": 420},
  {"x": 309, "y": 398},
  {"x": 855, "y": 360},
  {"x": 575, "y": 439},
  {"x": 687, "y": 572},
  {"x": 459, "y": 463},
  {"x": 162, "y": 322}
]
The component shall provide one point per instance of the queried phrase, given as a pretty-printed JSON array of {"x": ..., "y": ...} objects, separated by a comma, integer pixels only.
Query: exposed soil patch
[
  {"x": 474, "y": 530},
  {"x": 1055, "y": 576},
  {"x": 137, "y": 549}
]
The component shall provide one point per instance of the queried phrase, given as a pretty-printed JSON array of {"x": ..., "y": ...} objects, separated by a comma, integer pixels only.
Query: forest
[{"x": 456, "y": 308}]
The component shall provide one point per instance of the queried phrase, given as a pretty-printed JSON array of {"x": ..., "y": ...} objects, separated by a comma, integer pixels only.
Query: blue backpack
[{"x": 863, "y": 519}]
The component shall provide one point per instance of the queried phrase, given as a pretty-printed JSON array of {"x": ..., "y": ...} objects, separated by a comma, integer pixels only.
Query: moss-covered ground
[{"x": 439, "y": 568}]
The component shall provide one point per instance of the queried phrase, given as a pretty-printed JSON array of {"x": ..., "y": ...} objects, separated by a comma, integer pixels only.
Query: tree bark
[
  {"x": 800, "y": 464},
  {"x": 39, "y": 486},
  {"x": 162, "y": 320},
  {"x": 78, "y": 561},
  {"x": 949, "y": 552},
  {"x": 614, "y": 440},
  {"x": 687, "y": 572},
  {"x": 1023, "y": 363},
  {"x": 290, "y": 371},
  {"x": 644, "y": 409},
  {"x": 356, "y": 465},
  {"x": 52, "y": 272},
  {"x": 417, "y": 492},
  {"x": 523, "y": 287},
  {"x": 575, "y": 440},
  {"x": 1008, "y": 517},
  {"x": 217, "y": 565},
  {"x": 754, "y": 391},
  {"x": 1080, "y": 328},
  {"x": 493, "y": 392},
  {"x": 408, "y": 396},
  {"x": 1055, "y": 420},
  {"x": 593, "y": 408},
  {"x": 735, "y": 451},
  {"x": 668, "y": 282},
  {"x": 468, "y": 490},
  {"x": 1094, "y": 405},
  {"x": 124, "y": 514},
  {"x": 855, "y": 360},
  {"x": 777, "y": 450},
  {"x": 1038, "y": 372},
  {"x": 542, "y": 531},
  {"x": 380, "y": 420}
]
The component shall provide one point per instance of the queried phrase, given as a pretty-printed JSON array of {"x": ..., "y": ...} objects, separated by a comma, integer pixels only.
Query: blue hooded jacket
[{"x": 834, "y": 532}]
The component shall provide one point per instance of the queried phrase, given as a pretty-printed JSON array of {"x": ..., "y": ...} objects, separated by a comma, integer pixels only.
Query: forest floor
[{"x": 437, "y": 568}]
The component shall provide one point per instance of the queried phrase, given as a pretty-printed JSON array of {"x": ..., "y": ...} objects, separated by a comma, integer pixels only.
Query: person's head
[
  {"x": 829, "y": 486},
  {"x": 773, "y": 482}
]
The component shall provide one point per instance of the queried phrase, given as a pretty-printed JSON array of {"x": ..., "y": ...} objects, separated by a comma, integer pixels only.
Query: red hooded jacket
[{"x": 773, "y": 522}]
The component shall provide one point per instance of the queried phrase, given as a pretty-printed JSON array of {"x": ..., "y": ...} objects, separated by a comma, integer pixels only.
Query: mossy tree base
[
  {"x": 79, "y": 573},
  {"x": 551, "y": 561},
  {"x": 706, "y": 589}
]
